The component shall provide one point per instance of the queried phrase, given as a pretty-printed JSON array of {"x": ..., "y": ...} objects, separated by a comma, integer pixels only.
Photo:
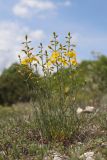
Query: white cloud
[
  {"x": 39, "y": 4},
  {"x": 28, "y": 8},
  {"x": 11, "y": 37},
  {"x": 38, "y": 34},
  {"x": 21, "y": 10}
]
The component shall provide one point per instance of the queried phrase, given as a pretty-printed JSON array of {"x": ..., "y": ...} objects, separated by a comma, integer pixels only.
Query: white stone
[
  {"x": 2, "y": 153},
  {"x": 89, "y": 109},
  {"x": 104, "y": 144},
  {"x": 87, "y": 156},
  {"x": 47, "y": 158},
  {"x": 58, "y": 156},
  {"x": 90, "y": 158},
  {"x": 79, "y": 110}
]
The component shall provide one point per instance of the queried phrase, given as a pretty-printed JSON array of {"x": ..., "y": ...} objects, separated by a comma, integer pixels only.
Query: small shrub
[{"x": 54, "y": 95}]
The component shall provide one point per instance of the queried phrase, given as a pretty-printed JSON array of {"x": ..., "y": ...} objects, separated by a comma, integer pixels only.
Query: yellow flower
[
  {"x": 60, "y": 59},
  {"x": 71, "y": 54},
  {"x": 48, "y": 64},
  {"x": 63, "y": 61},
  {"x": 55, "y": 54},
  {"x": 26, "y": 61},
  {"x": 73, "y": 62},
  {"x": 34, "y": 58},
  {"x": 53, "y": 60},
  {"x": 54, "y": 57}
]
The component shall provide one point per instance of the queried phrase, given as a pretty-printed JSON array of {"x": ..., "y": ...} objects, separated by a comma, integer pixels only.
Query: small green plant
[{"x": 53, "y": 96}]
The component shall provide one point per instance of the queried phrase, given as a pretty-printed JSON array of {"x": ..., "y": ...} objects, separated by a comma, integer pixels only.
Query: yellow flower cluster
[
  {"x": 69, "y": 58},
  {"x": 55, "y": 55},
  {"x": 71, "y": 54},
  {"x": 73, "y": 61},
  {"x": 59, "y": 57},
  {"x": 29, "y": 60}
]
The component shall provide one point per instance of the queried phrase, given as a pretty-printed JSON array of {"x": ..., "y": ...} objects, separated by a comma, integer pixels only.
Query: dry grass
[{"x": 20, "y": 139}]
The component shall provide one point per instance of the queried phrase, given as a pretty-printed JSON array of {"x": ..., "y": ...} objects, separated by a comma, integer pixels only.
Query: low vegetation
[
  {"x": 20, "y": 138},
  {"x": 49, "y": 113}
]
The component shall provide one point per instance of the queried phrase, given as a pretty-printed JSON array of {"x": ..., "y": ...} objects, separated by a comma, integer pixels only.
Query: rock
[
  {"x": 2, "y": 153},
  {"x": 58, "y": 156},
  {"x": 89, "y": 109},
  {"x": 79, "y": 110},
  {"x": 90, "y": 158},
  {"x": 87, "y": 156},
  {"x": 47, "y": 158},
  {"x": 104, "y": 144},
  {"x": 55, "y": 156}
]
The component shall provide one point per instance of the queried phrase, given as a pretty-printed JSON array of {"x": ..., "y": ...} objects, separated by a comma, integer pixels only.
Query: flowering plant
[
  {"x": 56, "y": 88},
  {"x": 60, "y": 56}
]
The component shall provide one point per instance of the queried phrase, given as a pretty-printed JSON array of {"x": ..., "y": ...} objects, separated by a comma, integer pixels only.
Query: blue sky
[{"x": 85, "y": 19}]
